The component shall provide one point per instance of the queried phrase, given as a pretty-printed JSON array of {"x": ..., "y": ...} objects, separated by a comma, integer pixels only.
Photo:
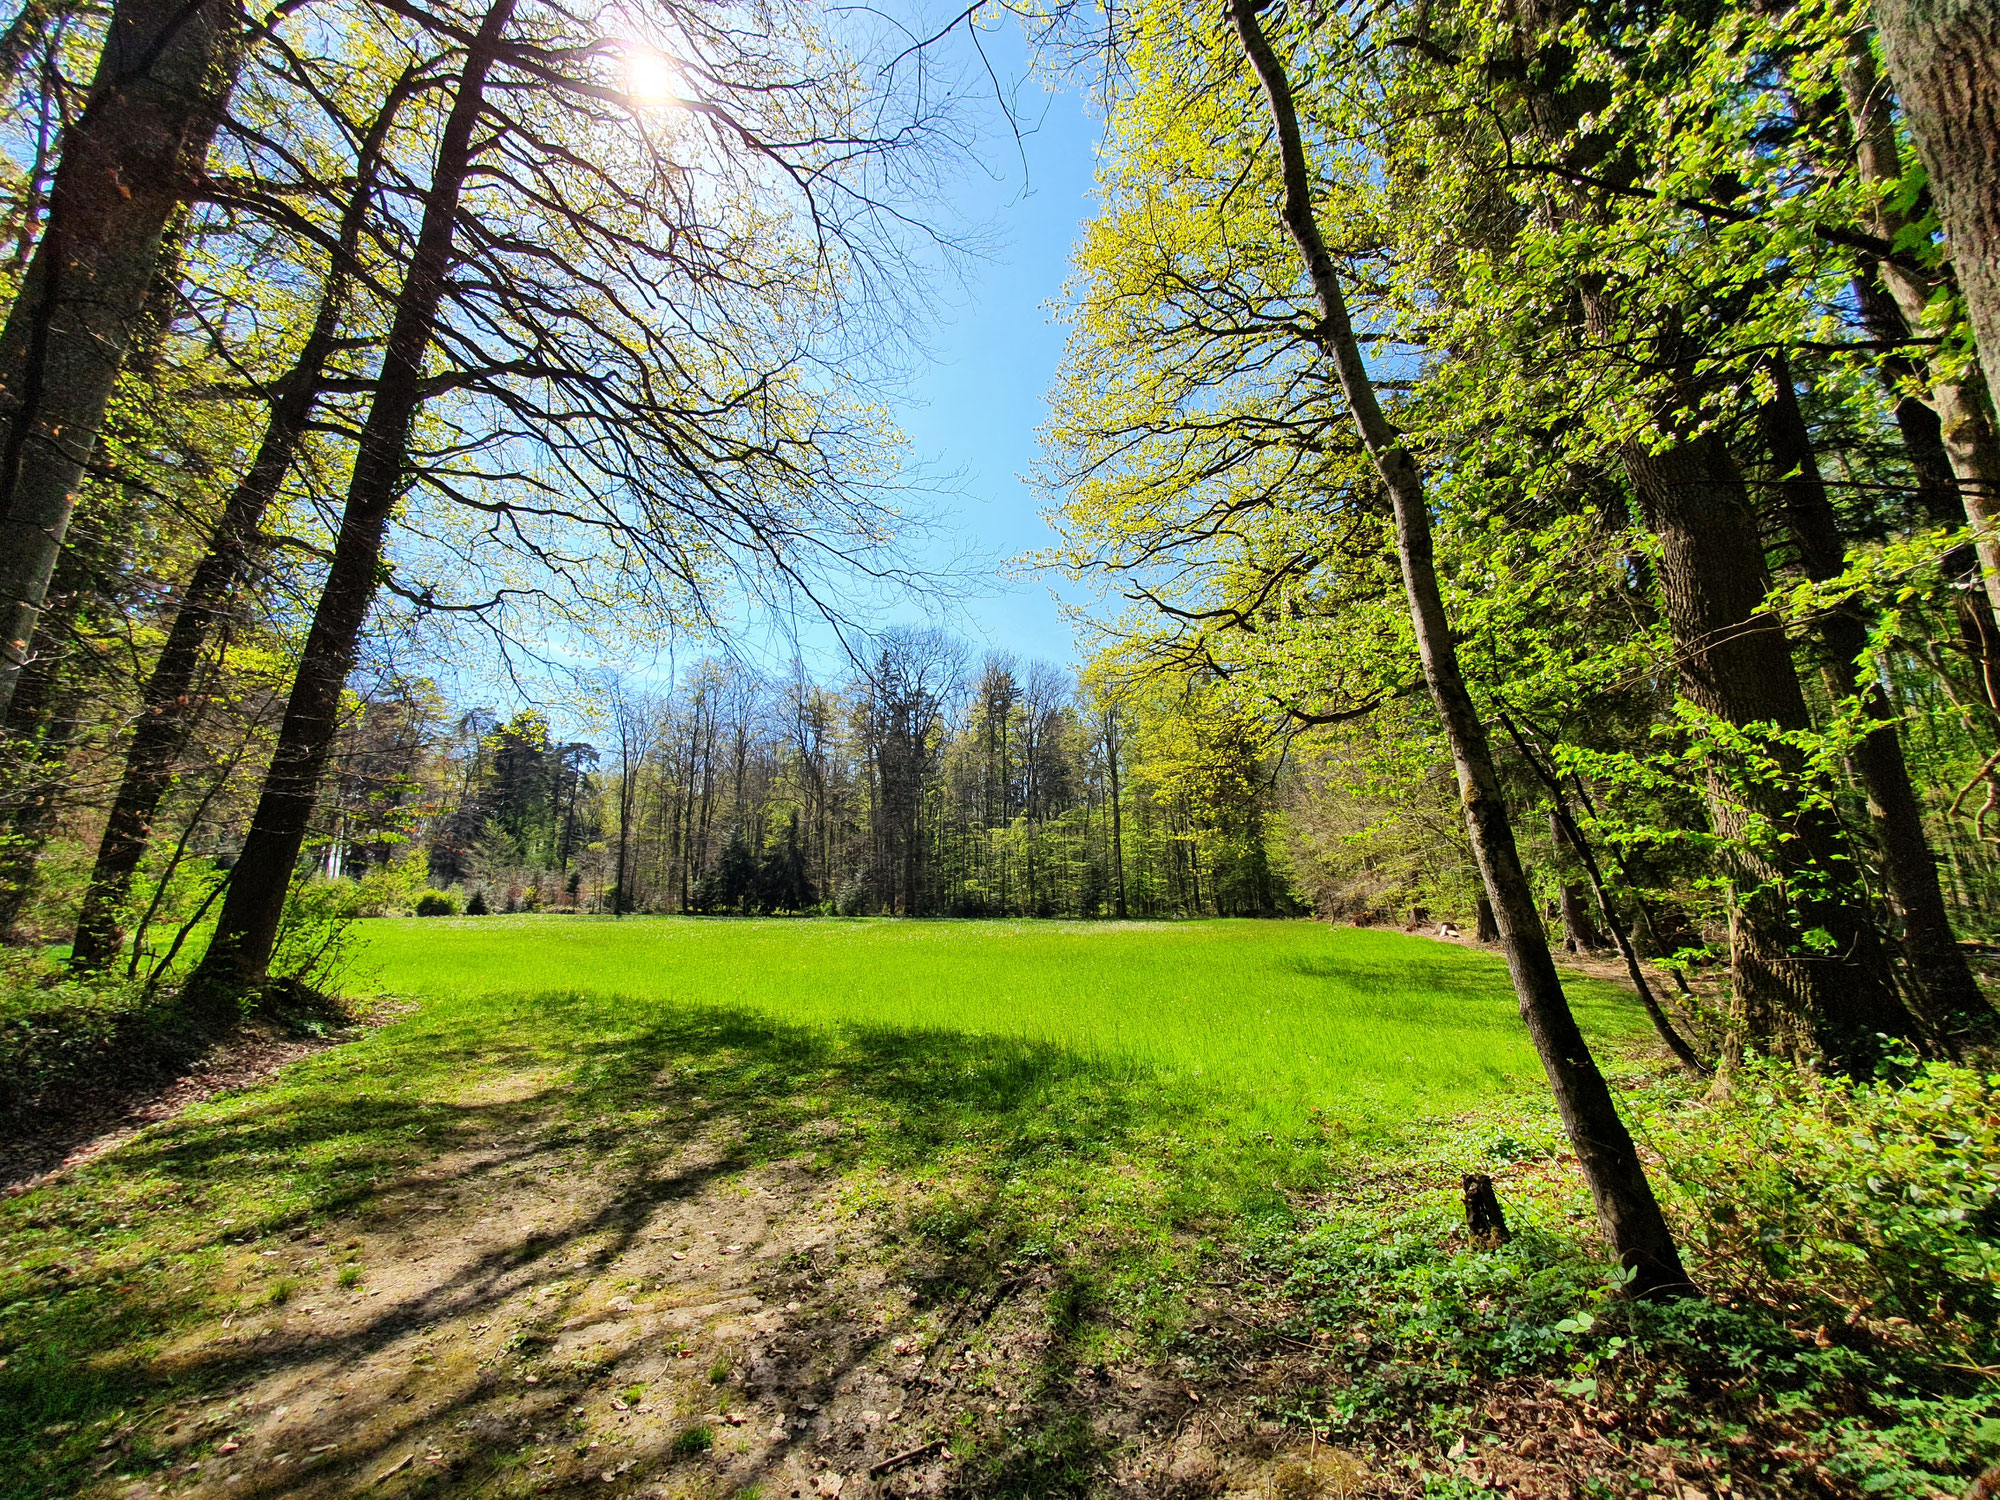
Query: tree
[
  {"x": 169, "y": 706},
  {"x": 1299, "y": 435},
  {"x": 1945, "y": 58},
  {"x": 248, "y": 927},
  {"x": 127, "y": 165}
]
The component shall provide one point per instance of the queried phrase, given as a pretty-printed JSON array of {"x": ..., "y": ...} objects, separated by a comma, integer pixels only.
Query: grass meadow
[
  {"x": 1110, "y": 1101},
  {"x": 1282, "y": 1027}
]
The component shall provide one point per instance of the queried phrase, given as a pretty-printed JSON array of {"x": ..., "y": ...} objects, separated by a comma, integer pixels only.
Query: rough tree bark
[
  {"x": 41, "y": 725},
  {"x": 1736, "y": 664},
  {"x": 126, "y": 166},
  {"x": 1944, "y": 56},
  {"x": 1791, "y": 872},
  {"x": 1963, "y": 406},
  {"x": 169, "y": 706},
  {"x": 240, "y": 953},
  {"x": 1627, "y": 1211},
  {"x": 1954, "y": 1007},
  {"x": 1580, "y": 934}
]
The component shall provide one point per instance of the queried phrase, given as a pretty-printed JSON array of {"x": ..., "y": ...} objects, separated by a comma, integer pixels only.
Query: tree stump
[{"x": 1484, "y": 1220}]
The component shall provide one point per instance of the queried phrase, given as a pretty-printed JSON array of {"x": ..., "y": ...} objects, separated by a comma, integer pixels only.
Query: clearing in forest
[{"x": 675, "y": 1207}]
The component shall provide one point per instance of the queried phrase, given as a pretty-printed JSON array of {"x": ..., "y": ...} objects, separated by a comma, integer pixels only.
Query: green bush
[
  {"x": 315, "y": 936},
  {"x": 476, "y": 907},
  {"x": 436, "y": 904},
  {"x": 1882, "y": 1199}
]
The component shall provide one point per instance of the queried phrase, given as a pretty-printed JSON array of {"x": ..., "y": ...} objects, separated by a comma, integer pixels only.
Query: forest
[
  {"x": 1520, "y": 472},
  {"x": 931, "y": 785}
]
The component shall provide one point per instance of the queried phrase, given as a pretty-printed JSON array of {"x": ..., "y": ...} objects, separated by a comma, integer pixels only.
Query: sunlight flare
[{"x": 651, "y": 78}]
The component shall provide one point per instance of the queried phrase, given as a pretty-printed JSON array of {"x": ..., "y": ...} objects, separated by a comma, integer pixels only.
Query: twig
[
  {"x": 899, "y": 1459},
  {"x": 396, "y": 1468}
]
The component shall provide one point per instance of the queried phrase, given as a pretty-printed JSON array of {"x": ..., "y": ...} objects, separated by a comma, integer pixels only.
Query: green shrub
[
  {"x": 436, "y": 904},
  {"x": 1881, "y": 1199},
  {"x": 315, "y": 936},
  {"x": 476, "y": 907},
  {"x": 59, "y": 1033}
]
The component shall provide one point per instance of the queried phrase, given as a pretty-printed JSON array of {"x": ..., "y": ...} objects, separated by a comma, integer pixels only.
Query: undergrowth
[{"x": 1845, "y": 1239}]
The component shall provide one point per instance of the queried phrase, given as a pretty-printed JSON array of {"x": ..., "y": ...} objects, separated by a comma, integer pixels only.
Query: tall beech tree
[
  {"x": 128, "y": 163},
  {"x": 169, "y": 706},
  {"x": 1953, "y": 1007},
  {"x": 247, "y": 929}
]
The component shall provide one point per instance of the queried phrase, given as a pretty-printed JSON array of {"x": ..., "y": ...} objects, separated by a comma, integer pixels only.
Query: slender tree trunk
[
  {"x": 1953, "y": 1004},
  {"x": 1111, "y": 745},
  {"x": 1937, "y": 486},
  {"x": 1563, "y": 824},
  {"x": 1627, "y": 1212},
  {"x": 41, "y": 724},
  {"x": 1944, "y": 56},
  {"x": 168, "y": 705},
  {"x": 1580, "y": 934},
  {"x": 247, "y": 930},
  {"x": 157, "y": 97}
]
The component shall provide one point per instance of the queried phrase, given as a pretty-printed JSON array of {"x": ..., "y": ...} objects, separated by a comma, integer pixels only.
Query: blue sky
[
  {"x": 972, "y": 408},
  {"x": 973, "y": 411}
]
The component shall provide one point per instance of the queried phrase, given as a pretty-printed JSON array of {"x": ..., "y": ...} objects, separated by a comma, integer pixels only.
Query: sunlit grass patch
[{"x": 1285, "y": 1027}]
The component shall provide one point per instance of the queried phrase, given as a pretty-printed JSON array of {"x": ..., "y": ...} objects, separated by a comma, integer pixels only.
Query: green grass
[
  {"x": 1107, "y": 1099},
  {"x": 1284, "y": 1026}
]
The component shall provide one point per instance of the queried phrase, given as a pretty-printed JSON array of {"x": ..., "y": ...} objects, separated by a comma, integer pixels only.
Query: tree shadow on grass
[{"x": 108, "y": 1313}]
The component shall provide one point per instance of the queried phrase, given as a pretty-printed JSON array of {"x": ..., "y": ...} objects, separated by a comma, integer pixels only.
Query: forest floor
[{"x": 512, "y": 1246}]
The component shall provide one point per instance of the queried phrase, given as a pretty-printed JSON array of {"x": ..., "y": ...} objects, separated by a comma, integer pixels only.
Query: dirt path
[{"x": 516, "y": 1322}]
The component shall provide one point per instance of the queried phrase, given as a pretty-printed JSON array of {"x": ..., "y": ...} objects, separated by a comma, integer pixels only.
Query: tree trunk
[
  {"x": 40, "y": 725},
  {"x": 1792, "y": 875},
  {"x": 1580, "y": 934},
  {"x": 1936, "y": 490},
  {"x": 1954, "y": 1007},
  {"x": 1964, "y": 410},
  {"x": 168, "y": 705},
  {"x": 1944, "y": 56},
  {"x": 1627, "y": 1212},
  {"x": 1484, "y": 928},
  {"x": 1563, "y": 825},
  {"x": 154, "y": 104},
  {"x": 1111, "y": 743},
  {"x": 240, "y": 953}
]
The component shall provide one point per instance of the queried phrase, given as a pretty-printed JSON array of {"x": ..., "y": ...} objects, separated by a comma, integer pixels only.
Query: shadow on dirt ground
[{"x": 523, "y": 1252}]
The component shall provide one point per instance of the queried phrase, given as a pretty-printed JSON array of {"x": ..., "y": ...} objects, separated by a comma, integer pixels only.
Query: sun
[{"x": 650, "y": 77}]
